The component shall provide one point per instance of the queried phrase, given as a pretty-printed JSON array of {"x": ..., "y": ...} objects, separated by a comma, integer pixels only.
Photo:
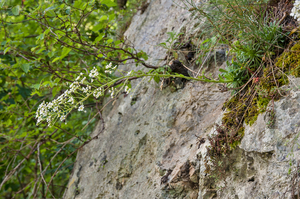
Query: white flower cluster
[
  {"x": 98, "y": 92},
  {"x": 93, "y": 74},
  {"x": 49, "y": 111},
  {"x": 63, "y": 104},
  {"x": 86, "y": 89},
  {"x": 296, "y": 10},
  {"x": 109, "y": 69}
]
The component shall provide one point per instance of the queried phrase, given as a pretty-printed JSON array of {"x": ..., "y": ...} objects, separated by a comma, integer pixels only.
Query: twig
[{"x": 41, "y": 169}]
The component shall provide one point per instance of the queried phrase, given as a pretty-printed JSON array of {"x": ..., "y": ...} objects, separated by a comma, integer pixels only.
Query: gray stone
[{"x": 152, "y": 131}]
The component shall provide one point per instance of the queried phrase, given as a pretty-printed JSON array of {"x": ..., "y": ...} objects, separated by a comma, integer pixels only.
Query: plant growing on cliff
[{"x": 256, "y": 36}]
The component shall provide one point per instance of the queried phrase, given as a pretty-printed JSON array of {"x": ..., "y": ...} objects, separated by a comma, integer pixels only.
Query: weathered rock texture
[{"x": 149, "y": 149}]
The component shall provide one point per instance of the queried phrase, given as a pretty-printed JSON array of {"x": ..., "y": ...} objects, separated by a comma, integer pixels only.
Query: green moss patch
[
  {"x": 244, "y": 107},
  {"x": 289, "y": 61}
]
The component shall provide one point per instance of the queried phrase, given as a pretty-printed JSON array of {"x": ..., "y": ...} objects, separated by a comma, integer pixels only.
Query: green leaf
[
  {"x": 118, "y": 42},
  {"x": 8, "y": 122},
  {"x": 109, "y": 41},
  {"x": 205, "y": 41},
  {"x": 55, "y": 90},
  {"x": 222, "y": 70},
  {"x": 47, "y": 83},
  {"x": 36, "y": 86},
  {"x": 156, "y": 79},
  {"x": 2, "y": 2},
  {"x": 109, "y": 3},
  {"x": 65, "y": 52},
  {"x": 37, "y": 92},
  {"x": 6, "y": 49},
  {"x": 99, "y": 37},
  {"x": 25, "y": 67},
  {"x": 16, "y": 10},
  {"x": 49, "y": 8},
  {"x": 98, "y": 27},
  {"x": 171, "y": 34},
  {"x": 57, "y": 58},
  {"x": 104, "y": 17},
  {"x": 163, "y": 45},
  {"x": 78, "y": 4},
  {"x": 40, "y": 37}
]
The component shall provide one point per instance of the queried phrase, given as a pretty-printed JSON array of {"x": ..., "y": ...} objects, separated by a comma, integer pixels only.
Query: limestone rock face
[{"x": 149, "y": 150}]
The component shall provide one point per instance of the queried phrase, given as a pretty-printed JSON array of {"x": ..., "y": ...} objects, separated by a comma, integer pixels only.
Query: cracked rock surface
[{"x": 149, "y": 150}]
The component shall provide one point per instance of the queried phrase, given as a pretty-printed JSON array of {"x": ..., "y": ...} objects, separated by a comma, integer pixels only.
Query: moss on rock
[{"x": 289, "y": 61}]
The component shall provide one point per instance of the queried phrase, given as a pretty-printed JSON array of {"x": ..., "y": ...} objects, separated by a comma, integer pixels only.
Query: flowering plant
[
  {"x": 295, "y": 12},
  {"x": 80, "y": 90},
  {"x": 96, "y": 84}
]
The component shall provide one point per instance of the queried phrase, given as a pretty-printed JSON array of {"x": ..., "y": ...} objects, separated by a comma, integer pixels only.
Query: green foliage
[
  {"x": 44, "y": 45},
  {"x": 235, "y": 73},
  {"x": 249, "y": 30},
  {"x": 170, "y": 42}
]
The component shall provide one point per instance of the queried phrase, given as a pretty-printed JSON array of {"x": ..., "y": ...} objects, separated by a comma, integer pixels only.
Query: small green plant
[
  {"x": 247, "y": 29},
  {"x": 169, "y": 44},
  {"x": 235, "y": 73}
]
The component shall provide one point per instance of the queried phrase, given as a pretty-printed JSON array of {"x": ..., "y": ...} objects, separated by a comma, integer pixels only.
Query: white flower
[
  {"x": 55, "y": 109},
  {"x": 71, "y": 100},
  {"x": 82, "y": 80},
  {"x": 86, "y": 89},
  {"x": 109, "y": 69},
  {"x": 295, "y": 12},
  {"x": 81, "y": 108},
  {"x": 112, "y": 92},
  {"x": 108, "y": 66},
  {"x": 94, "y": 73},
  {"x": 49, "y": 120},
  {"x": 63, "y": 117},
  {"x": 98, "y": 92},
  {"x": 129, "y": 73},
  {"x": 50, "y": 104},
  {"x": 127, "y": 89}
]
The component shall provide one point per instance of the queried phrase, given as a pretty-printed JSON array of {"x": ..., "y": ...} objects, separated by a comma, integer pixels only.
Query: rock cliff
[{"x": 151, "y": 146}]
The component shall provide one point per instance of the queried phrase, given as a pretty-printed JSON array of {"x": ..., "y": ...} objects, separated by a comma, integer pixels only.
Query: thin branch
[
  {"x": 41, "y": 169},
  {"x": 7, "y": 177}
]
